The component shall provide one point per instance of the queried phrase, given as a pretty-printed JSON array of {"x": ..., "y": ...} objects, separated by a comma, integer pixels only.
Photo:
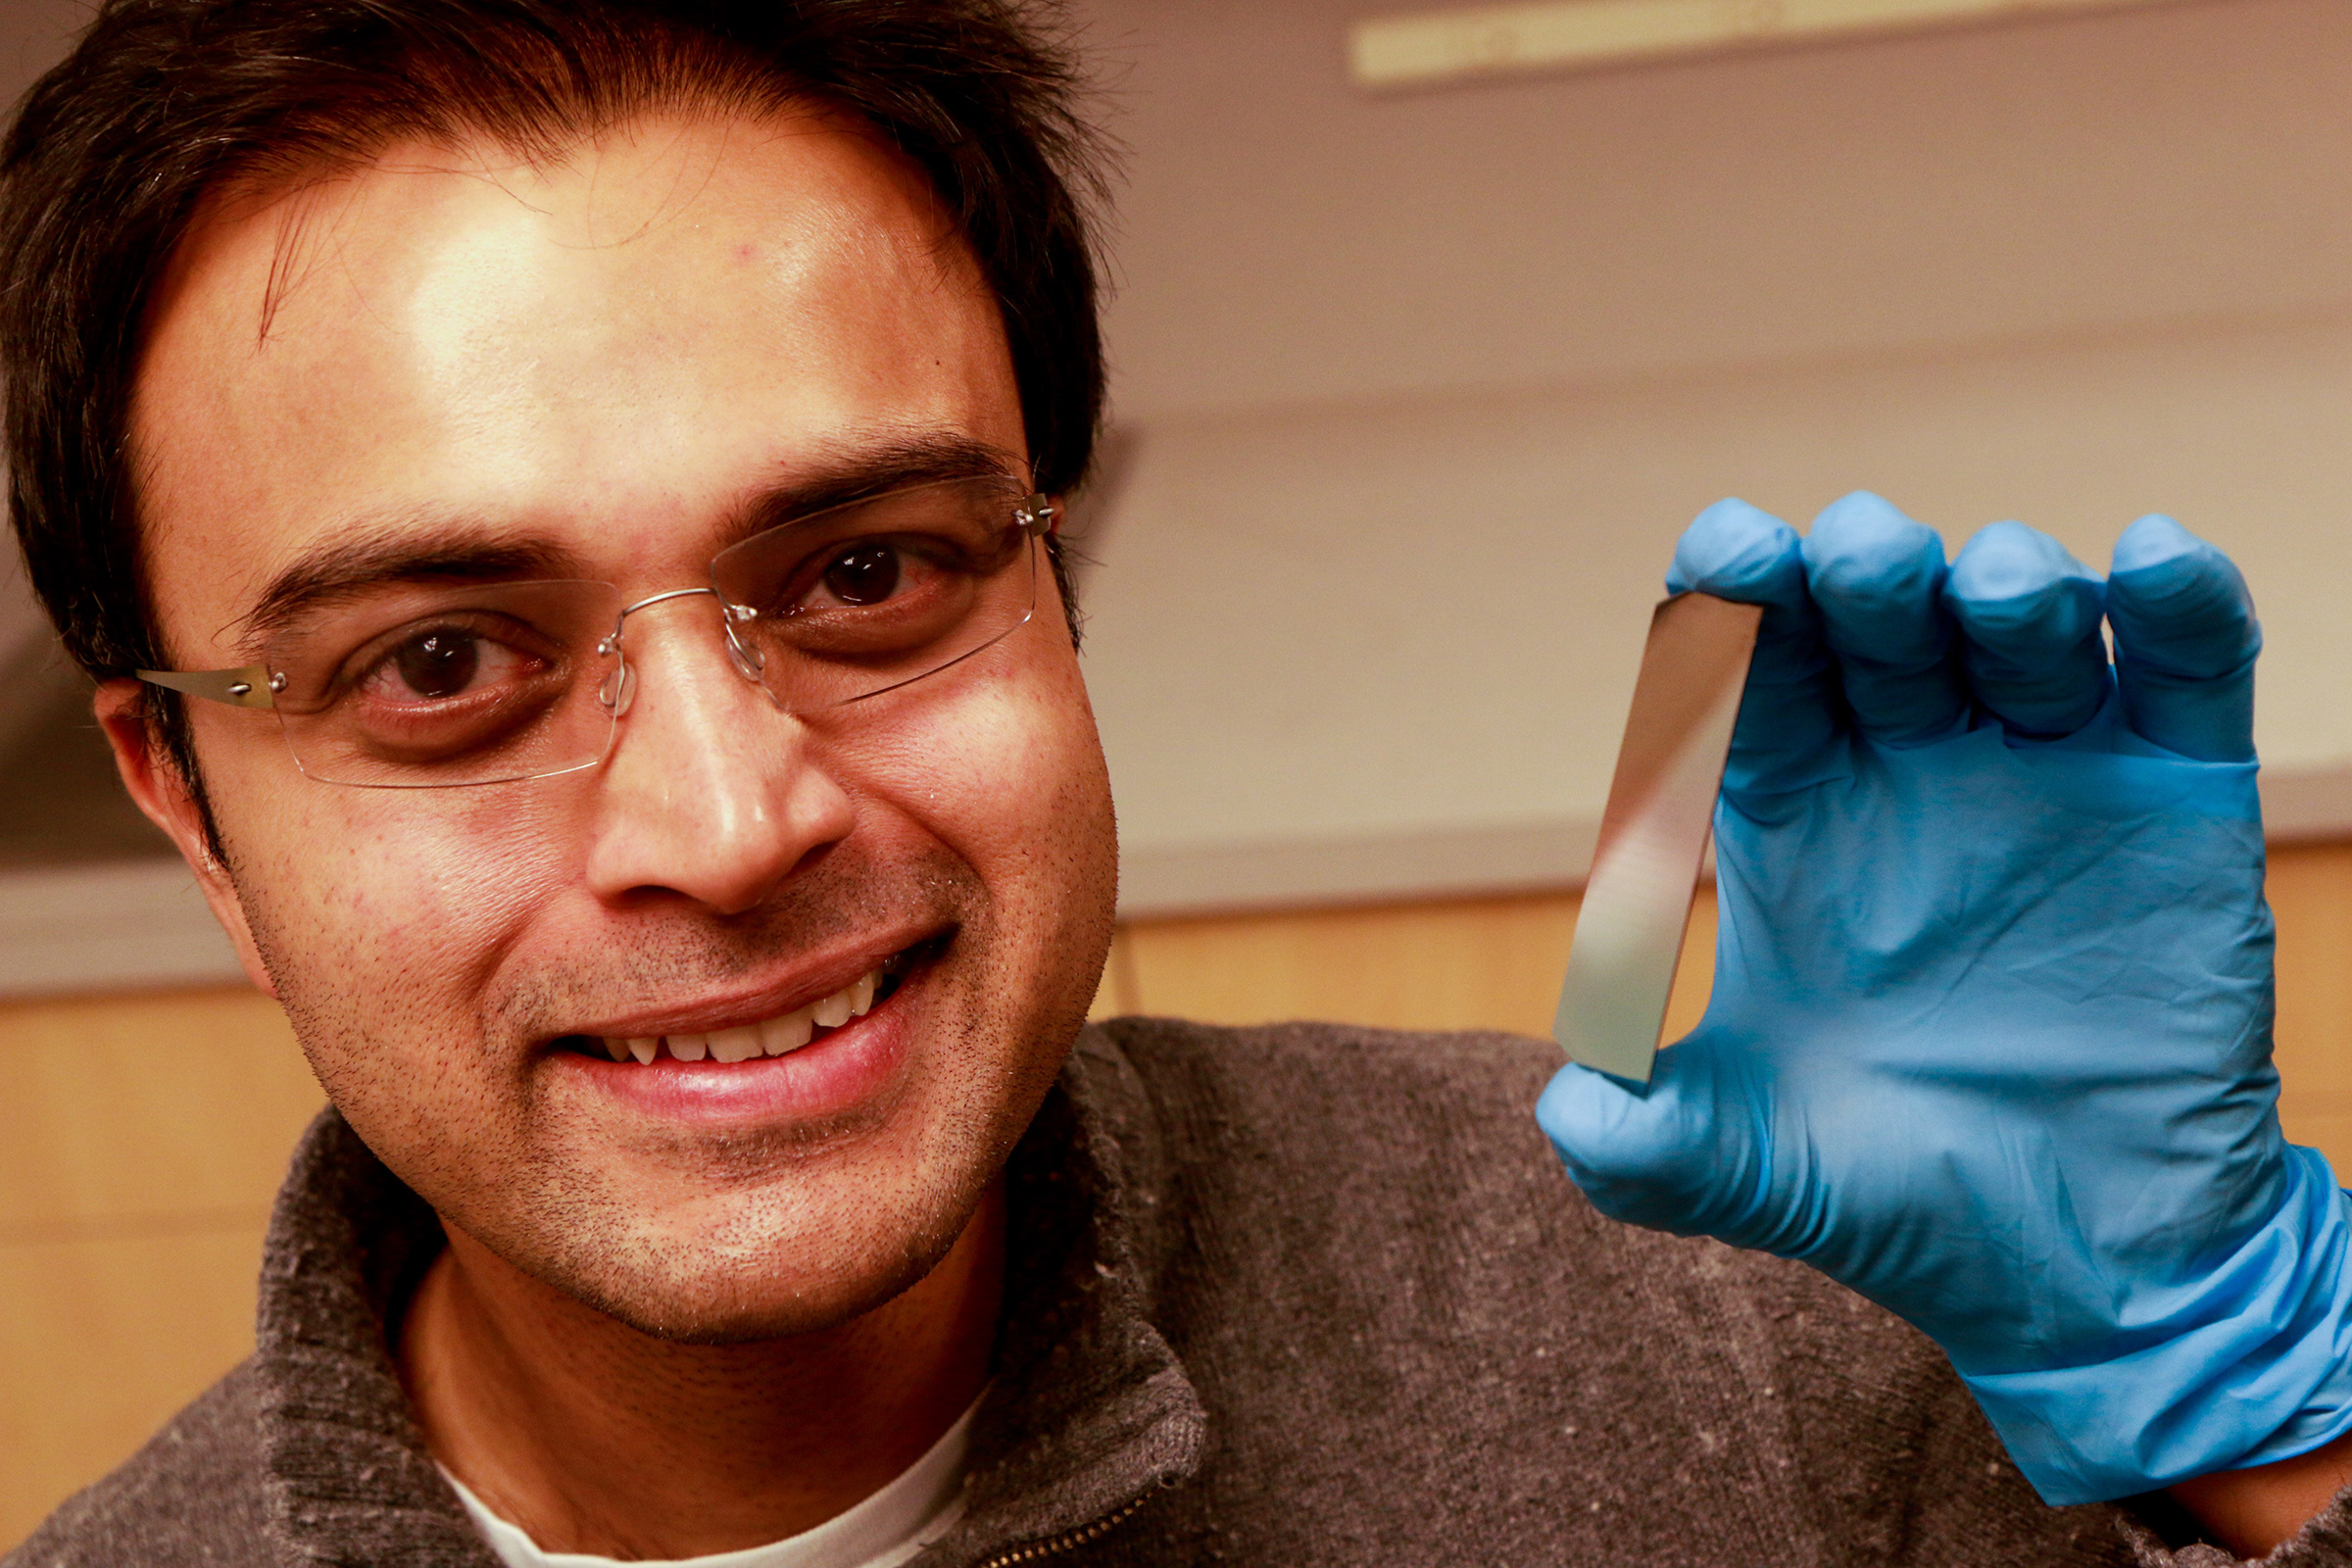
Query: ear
[{"x": 158, "y": 788}]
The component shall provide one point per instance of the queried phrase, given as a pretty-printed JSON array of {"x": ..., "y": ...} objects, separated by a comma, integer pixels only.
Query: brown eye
[
  {"x": 864, "y": 574},
  {"x": 439, "y": 663}
]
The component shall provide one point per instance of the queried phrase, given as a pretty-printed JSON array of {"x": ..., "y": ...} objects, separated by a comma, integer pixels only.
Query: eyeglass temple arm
[{"x": 248, "y": 686}]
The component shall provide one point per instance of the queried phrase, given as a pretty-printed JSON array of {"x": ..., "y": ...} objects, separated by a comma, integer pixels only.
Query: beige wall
[
  {"x": 143, "y": 1137},
  {"x": 1423, "y": 614},
  {"x": 1423, "y": 385},
  {"x": 1284, "y": 239}
]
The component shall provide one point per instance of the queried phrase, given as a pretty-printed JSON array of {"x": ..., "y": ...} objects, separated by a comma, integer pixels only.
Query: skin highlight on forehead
[{"x": 309, "y": 206}]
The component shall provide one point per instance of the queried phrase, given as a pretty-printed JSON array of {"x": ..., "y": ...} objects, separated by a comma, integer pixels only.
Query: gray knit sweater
[{"x": 1296, "y": 1296}]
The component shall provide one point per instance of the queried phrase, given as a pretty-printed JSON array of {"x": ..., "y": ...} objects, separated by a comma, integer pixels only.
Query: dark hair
[{"x": 164, "y": 102}]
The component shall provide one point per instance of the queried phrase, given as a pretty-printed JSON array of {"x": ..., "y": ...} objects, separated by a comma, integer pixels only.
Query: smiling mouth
[{"x": 779, "y": 1036}]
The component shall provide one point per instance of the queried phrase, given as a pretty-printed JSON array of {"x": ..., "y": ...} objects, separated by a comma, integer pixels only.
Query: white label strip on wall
[{"x": 1434, "y": 47}]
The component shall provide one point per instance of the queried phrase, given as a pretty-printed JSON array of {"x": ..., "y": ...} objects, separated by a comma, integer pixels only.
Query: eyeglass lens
[{"x": 436, "y": 685}]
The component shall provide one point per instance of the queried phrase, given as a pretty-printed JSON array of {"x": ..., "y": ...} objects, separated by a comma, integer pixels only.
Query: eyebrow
[
  {"x": 877, "y": 467},
  {"x": 428, "y": 547},
  {"x": 420, "y": 548}
]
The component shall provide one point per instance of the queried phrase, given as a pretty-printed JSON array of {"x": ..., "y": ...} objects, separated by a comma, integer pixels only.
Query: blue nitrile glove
[{"x": 1989, "y": 1039}]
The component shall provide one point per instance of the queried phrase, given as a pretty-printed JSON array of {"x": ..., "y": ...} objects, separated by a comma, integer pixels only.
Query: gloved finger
[
  {"x": 1790, "y": 726},
  {"x": 1644, "y": 1154},
  {"x": 1878, "y": 580},
  {"x": 2029, "y": 616},
  {"x": 2185, "y": 640}
]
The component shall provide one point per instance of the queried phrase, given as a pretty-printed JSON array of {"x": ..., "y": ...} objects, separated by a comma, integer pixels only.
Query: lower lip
[{"x": 826, "y": 1077}]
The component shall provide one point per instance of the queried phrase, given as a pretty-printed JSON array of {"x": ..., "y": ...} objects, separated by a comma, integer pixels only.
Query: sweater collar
[{"x": 1089, "y": 1412}]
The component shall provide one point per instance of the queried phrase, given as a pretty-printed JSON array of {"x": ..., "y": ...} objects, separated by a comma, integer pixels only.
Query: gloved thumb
[{"x": 1659, "y": 1154}]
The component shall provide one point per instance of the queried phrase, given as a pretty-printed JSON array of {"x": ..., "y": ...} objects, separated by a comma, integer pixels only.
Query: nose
[{"x": 709, "y": 793}]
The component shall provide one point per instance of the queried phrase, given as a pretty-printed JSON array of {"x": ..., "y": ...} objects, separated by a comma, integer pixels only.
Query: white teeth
[
  {"x": 774, "y": 1037},
  {"x": 734, "y": 1045},
  {"x": 789, "y": 1033}
]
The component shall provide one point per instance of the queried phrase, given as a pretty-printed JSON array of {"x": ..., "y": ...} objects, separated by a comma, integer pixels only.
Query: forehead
[{"x": 602, "y": 350}]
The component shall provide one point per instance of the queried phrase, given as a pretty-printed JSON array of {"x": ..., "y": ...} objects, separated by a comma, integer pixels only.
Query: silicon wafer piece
[{"x": 1653, "y": 833}]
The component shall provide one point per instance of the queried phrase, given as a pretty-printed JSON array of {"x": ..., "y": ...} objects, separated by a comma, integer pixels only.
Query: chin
[
  {"x": 766, "y": 1263},
  {"x": 753, "y": 1306}
]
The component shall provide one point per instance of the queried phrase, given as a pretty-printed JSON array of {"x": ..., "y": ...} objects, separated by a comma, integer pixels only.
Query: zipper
[{"x": 1067, "y": 1540}]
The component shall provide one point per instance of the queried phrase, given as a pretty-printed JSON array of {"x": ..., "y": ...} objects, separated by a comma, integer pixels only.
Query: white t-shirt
[{"x": 884, "y": 1530}]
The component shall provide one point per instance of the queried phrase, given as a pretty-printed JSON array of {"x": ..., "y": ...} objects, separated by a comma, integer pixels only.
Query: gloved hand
[{"x": 1989, "y": 1036}]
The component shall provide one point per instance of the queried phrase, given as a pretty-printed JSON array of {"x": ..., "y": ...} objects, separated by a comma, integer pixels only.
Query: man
[{"x": 560, "y": 498}]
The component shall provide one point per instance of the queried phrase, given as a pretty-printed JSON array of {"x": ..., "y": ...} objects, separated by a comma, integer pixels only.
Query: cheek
[
  {"x": 382, "y": 914},
  {"x": 1013, "y": 780}
]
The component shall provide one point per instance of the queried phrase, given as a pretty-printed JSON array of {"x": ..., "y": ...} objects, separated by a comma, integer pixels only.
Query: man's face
[{"x": 614, "y": 362}]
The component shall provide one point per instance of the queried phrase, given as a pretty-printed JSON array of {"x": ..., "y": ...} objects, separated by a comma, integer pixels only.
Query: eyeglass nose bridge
[{"x": 620, "y": 689}]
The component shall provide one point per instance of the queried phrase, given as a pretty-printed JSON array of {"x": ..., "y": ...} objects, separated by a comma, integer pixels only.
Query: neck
[{"x": 595, "y": 1438}]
